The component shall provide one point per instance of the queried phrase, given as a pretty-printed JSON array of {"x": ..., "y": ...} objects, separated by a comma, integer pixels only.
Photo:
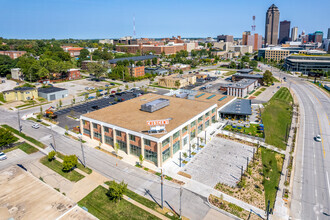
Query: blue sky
[{"x": 41, "y": 19}]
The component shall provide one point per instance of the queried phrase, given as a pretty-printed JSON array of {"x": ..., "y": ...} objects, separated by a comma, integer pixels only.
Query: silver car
[{"x": 3, "y": 156}]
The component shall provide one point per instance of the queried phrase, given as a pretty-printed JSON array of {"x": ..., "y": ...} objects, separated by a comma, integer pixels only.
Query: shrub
[
  {"x": 51, "y": 155},
  {"x": 8, "y": 76},
  {"x": 116, "y": 191},
  {"x": 69, "y": 162}
]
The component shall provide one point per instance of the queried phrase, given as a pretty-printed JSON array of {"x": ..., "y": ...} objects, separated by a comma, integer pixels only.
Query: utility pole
[
  {"x": 181, "y": 190},
  {"x": 189, "y": 150},
  {"x": 161, "y": 184},
  {"x": 82, "y": 151},
  {"x": 180, "y": 159},
  {"x": 19, "y": 122},
  {"x": 51, "y": 127}
]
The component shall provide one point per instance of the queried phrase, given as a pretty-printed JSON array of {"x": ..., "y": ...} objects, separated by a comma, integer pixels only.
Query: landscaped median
[
  {"x": 32, "y": 140},
  {"x": 253, "y": 129},
  {"x": 276, "y": 117},
  {"x": 259, "y": 182},
  {"x": 27, "y": 148}
]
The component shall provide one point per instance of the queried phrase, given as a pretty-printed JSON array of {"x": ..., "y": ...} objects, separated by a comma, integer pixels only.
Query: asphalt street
[{"x": 311, "y": 187}]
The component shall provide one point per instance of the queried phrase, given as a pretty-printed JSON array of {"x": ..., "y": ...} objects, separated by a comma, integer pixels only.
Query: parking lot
[
  {"x": 90, "y": 106},
  {"x": 220, "y": 161}
]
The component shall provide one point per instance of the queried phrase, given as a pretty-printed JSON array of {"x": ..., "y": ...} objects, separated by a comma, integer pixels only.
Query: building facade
[
  {"x": 255, "y": 41},
  {"x": 306, "y": 63},
  {"x": 74, "y": 74},
  {"x": 284, "y": 31},
  {"x": 130, "y": 127},
  {"x": 16, "y": 73},
  {"x": 13, "y": 54},
  {"x": 294, "y": 34},
  {"x": 20, "y": 94},
  {"x": 271, "y": 29},
  {"x": 318, "y": 37},
  {"x": 52, "y": 93},
  {"x": 136, "y": 71},
  {"x": 225, "y": 38},
  {"x": 177, "y": 81},
  {"x": 241, "y": 88},
  {"x": 245, "y": 37}
]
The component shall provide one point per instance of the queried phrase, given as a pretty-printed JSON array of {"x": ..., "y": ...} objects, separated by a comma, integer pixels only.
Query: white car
[
  {"x": 3, "y": 156},
  {"x": 318, "y": 138},
  {"x": 36, "y": 126}
]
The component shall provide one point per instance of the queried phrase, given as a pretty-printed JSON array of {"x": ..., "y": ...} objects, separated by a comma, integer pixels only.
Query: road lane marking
[
  {"x": 318, "y": 118},
  {"x": 328, "y": 184}
]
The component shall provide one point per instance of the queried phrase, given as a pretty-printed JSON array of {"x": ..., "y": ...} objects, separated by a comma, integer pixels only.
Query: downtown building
[
  {"x": 284, "y": 31},
  {"x": 307, "y": 63},
  {"x": 154, "y": 126},
  {"x": 271, "y": 29}
]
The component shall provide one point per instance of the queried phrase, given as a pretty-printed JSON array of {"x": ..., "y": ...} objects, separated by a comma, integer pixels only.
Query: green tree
[
  {"x": 6, "y": 63},
  {"x": 141, "y": 159},
  {"x": 116, "y": 191},
  {"x": 245, "y": 59},
  {"x": 177, "y": 84},
  {"x": 98, "y": 94},
  {"x": 232, "y": 65},
  {"x": 69, "y": 162},
  {"x": 60, "y": 103},
  {"x": 6, "y": 137},
  {"x": 96, "y": 68},
  {"x": 268, "y": 77},
  {"x": 139, "y": 63},
  {"x": 253, "y": 63},
  {"x": 51, "y": 155},
  {"x": 84, "y": 53},
  {"x": 116, "y": 146},
  {"x": 154, "y": 61},
  {"x": 86, "y": 97}
]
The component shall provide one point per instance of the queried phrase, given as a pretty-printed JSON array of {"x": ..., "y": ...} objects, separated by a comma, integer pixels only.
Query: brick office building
[
  {"x": 13, "y": 54},
  {"x": 126, "y": 123},
  {"x": 136, "y": 71},
  {"x": 74, "y": 74}
]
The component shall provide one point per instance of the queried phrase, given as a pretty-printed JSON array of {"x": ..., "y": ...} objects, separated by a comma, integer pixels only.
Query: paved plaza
[{"x": 220, "y": 161}]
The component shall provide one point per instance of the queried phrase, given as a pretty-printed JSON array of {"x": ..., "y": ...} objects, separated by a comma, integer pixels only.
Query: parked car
[
  {"x": 91, "y": 97},
  {"x": 113, "y": 91},
  {"x": 137, "y": 94},
  {"x": 112, "y": 95},
  {"x": 318, "y": 138},
  {"x": 112, "y": 84},
  {"x": 87, "y": 88},
  {"x": 95, "y": 107},
  {"x": 35, "y": 126},
  {"x": 107, "y": 85},
  {"x": 3, "y": 156}
]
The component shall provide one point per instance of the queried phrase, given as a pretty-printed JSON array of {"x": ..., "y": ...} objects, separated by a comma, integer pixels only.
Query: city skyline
[{"x": 96, "y": 20}]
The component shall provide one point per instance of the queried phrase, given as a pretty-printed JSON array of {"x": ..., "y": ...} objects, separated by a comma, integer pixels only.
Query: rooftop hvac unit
[
  {"x": 155, "y": 105},
  {"x": 182, "y": 95},
  {"x": 191, "y": 96}
]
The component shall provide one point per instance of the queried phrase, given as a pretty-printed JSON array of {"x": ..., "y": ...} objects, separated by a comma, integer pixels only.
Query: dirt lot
[{"x": 22, "y": 196}]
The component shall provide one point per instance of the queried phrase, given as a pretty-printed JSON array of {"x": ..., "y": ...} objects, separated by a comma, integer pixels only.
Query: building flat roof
[
  {"x": 50, "y": 89},
  {"x": 21, "y": 89},
  {"x": 129, "y": 115},
  {"x": 138, "y": 58},
  {"x": 241, "y": 84},
  {"x": 238, "y": 107},
  {"x": 255, "y": 76},
  {"x": 219, "y": 99},
  {"x": 245, "y": 71}
]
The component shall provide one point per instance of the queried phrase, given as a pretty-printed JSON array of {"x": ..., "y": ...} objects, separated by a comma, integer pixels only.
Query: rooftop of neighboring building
[
  {"x": 220, "y": 99},
  {"x": 136, "y": 58},
  {"x": 129, "y": 115},
  {"x": 238, "y": 107},
  {"x": 21, "y": 89},
  {"x": 241, "y": 84},
  {"x": 245, "y": 71},
  {"x": 50, "y": 89},
  {"x": 178, "y": 76},
  {"x": 256, "y": 76}
]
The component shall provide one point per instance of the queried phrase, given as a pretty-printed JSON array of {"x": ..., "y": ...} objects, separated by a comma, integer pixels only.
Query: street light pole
[
  {"x": 51, "y": 127},
  {"x": 181, "y": 190},
  {"x": 161, "y": 184},
  {"x": 82, "y": 150},
  {"x": 19, "y": 122}
]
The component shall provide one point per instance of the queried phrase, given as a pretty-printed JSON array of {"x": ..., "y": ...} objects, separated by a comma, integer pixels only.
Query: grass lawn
[
  {"x": 257, "y": 93},
  {"x": 229, "y": 73},
  {"x": 98, "y": 204},
  {"x": 27, "y": 148},
  {"x": 1, "y": 98},
  {"x": 317, "y": 84},
  {"x": 56, "y": 166},
  {"x": 252, "y": 130},
  {"x": 276, "y": 117},
  {"x": 272, "y": 166},
  {"x": 32, "y": 140},
  {"x": 79, "y": 166}
]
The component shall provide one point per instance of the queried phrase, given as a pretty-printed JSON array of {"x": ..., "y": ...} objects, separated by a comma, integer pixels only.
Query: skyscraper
[
  {"x": 328, "y": 33},
  {"x": 318, "y": 37},
  {"x": 294, "y": 33},
  {"x": 255, "y": 41},
  {"x": 284, "y": 31},
  {"x": 245, "y": 37},
  {"x": 271, "y": 30}
]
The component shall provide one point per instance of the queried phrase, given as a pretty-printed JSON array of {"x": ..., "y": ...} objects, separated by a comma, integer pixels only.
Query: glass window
[
  {"x": 213, "y": 110},
  {"x": 185, "y": 141},
  {"x": 86, "y": 131},
  {"x": 207, "y": 123},
  {"x": 176, "y": 134},
  {"x": 193, "y": 124},
  {"x": 192, "y": 134},
  {"x": 207, "y": 114},
  {"x": 132, "y": 137},
  {"x": 150, "y": 155},
  {"x": 166, "y": 142},
  {"x": 213, "y": 119},
  {"x": 122, "y": 146},
  {"x": 94, "y": 125},
  {"x": 184, "y": 129},
  {"x": 200, "y": 128},
  {"x": 176, "y": 147},
  {"x": 147, "y": 142},
  {"x": 135, "y": 150},
  {"x": 108, "y": 140},
  {"x": 97, "y": 135},
  {"x": 106, "y": 129},
  {"x": 85, "y": 122},
  {"x": 118, "y": 133},
  {"x": 166, "y": 154},
  {"x": 200, "y": 119}
]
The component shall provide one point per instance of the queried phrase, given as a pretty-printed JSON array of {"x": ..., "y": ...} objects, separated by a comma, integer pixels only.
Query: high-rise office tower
[
  {"x": 328, "y": 33},
  {"x": 245, "y": 37},
  {"x": 294, "y": 33},
  {"x": 318, "y": 37},
  {"x": 284, "y": 31},
  {"x": 255, "y": 41},
  {"x": 271, "y": 29}
]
